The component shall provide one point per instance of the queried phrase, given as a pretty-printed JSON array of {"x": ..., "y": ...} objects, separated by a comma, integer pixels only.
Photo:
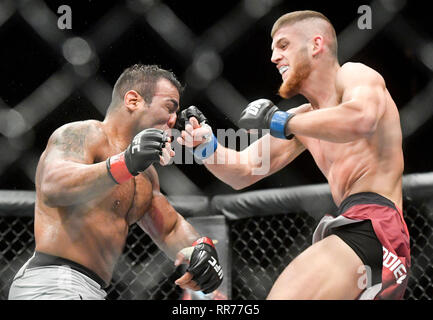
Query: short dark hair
[{"x": 143, "y": 79}]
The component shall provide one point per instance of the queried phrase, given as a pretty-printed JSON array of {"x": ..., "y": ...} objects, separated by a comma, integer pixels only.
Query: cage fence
[{"x": 260, "y": 242}]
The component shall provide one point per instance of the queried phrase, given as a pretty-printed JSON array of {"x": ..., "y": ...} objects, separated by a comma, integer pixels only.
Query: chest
[
  {"x": 131, "y": 199},
  {"x": 326, "y": 154}
]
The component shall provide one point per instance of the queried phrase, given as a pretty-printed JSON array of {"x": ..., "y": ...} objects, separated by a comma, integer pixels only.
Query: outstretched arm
[
  {"x": 259, "y": 160},
  {"x": 240, "y": 169}
]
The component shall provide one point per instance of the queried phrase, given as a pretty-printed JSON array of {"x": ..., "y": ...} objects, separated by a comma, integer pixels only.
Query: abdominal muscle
[
  {"x": 344, "y": 183},
  {"x": 357, "y": 167}
]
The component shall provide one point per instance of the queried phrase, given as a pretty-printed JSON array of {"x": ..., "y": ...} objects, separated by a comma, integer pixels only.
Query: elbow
[
  {"x": 238, "y": 186},
  {"x": 363, "y": 118},
  {"x": 243, "y": 180},
  {"x": 49, "y": 196},
  {"x": 365, "y": 127}
]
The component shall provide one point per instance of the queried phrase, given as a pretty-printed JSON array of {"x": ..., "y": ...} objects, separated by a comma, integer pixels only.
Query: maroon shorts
[{"x": 391, "y": 231}]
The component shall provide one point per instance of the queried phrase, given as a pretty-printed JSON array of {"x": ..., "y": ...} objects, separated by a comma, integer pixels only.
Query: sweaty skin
[
  {"x": 350, "y": 126},
  {"x": 353, "y": 153},
  {"x": 81, "y": 214},
  {"x": 353, "y": 131},
  {"x": 356, "y": 156}
]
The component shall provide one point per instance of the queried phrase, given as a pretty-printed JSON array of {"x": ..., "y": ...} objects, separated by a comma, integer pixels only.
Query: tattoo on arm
[{"x": 71, "y": 141}]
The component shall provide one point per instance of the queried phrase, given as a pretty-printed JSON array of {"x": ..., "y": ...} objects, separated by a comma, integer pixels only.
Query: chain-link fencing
[
  {"x": 265, "y": 231},
  {"x": 263, "y": 246}
]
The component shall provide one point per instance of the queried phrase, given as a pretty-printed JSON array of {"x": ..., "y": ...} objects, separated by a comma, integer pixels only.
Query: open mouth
[{"x": 283, "y": 69}]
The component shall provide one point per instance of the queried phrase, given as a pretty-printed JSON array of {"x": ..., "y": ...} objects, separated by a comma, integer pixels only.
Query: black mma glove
[
  {"x": 204, "y": 265},
  {"x": 145, "y": 148},
  {"x": 263, "y": 114},
  {"x": 184, "y": 115},
  {"x": 206, "y": 149}
]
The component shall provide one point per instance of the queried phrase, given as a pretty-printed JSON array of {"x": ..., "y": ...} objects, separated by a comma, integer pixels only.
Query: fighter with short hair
[
  {"x": 94, "y": 180},
  {"x": 351, "y": 127}
]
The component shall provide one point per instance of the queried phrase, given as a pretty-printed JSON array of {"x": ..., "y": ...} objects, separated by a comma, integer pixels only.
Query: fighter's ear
[
  {"x": 318, "y": 44},
  {"x": 132, "y": 99}
]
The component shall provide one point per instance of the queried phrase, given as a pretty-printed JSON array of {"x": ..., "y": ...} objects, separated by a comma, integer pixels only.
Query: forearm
[
  {"x": 183, "y": 235},
  {"x": 230, "y": 166},
  {"x": 167, "y": 228},
  {"x": 260, "y": 159},
  {"x": 340, "y": 124},
  {"x": 66, "y": 183}
]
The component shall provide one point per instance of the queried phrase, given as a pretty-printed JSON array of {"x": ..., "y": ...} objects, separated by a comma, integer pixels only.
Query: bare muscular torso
[
  {"x": 373, "y": 164},
  {"x": 92, "y": 233}
]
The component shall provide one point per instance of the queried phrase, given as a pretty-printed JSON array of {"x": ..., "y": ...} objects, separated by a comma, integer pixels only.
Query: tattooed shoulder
[{"x": 71, "y": 139}]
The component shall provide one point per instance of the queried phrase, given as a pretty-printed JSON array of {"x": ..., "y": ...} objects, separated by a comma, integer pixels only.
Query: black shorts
[
  {"x": 375, "y": 229},
  {"x": 361, "y": 238}
]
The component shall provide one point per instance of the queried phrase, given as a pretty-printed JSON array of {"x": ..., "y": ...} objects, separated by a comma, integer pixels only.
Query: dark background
[{"x": 34, "y": 71}]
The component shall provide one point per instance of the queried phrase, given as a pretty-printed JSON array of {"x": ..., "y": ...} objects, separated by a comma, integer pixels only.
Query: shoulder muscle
[
  {"x": 75, "y": 141},
  {"x": 356, "y": 75}
]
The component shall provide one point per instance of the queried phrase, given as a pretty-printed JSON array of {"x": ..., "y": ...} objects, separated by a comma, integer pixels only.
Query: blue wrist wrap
[
  {"x": 205, "y": 150},
  {"x": 278, "y": 124}
]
